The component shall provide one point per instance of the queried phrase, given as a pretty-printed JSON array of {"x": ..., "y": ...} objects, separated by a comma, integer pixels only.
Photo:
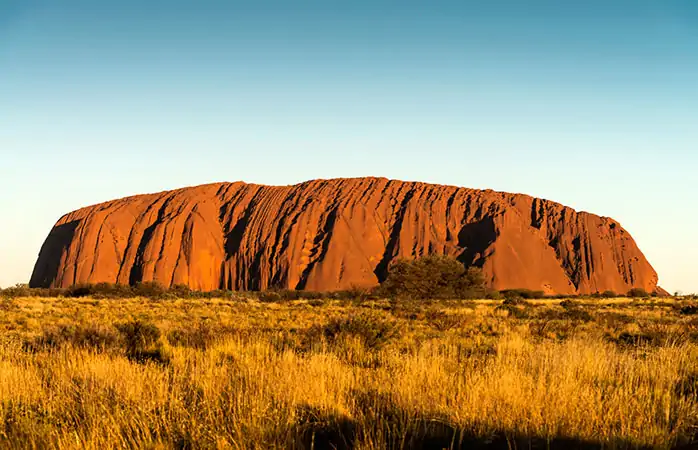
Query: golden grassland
[{"x": 214, "y": 373}]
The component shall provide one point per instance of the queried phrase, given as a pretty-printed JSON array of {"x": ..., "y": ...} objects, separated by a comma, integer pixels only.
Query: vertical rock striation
[{"x": 336, "y": 234}]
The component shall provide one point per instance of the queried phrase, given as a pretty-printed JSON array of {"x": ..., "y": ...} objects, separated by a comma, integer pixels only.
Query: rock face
[{"x": 335, "y": 234}]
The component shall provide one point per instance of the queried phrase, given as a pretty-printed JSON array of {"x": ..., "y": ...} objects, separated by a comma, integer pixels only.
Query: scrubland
[{"x": 363, "y": 374}]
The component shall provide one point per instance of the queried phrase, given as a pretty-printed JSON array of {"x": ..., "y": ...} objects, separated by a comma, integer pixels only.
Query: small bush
[
  {"x": 639, "y": 339},
  {"x": 515, "y": 301},
  {"x": 689, "y": 310},
  {"x": 513, "y": 310},
  {"x": 18, "y": 290},
  {"x": 522, "y": 293},
  {"x": 568, "y": 304},
  {"x": 269, "y": 296},
  {"x": 181, "y": 291},
  {"x": 433, "y": 277},
  {"x": 100, "y": 290},
  {"x": 7, "y": 304},
  {"x": 150, "y": 289},
  {"x": 638, "y": 293},
  {"x": 373, "y": 330},
  {"x": 492, "y": 294},
  {"x": 141, "y": 341},
  {"x": 574, "y": 311},
  {"x": 443, "y": 321},
  {"x": 138, "y": 335},
  {"x": 80, "y": 290}
]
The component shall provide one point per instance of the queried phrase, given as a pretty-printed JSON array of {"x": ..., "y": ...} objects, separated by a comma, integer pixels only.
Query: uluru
[{"x": 336, "y": 234}]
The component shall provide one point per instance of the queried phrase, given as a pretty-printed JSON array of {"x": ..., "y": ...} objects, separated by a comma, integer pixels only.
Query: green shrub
[
  {"x": 515, "y": 301},
  {"x": 433, "y": 277},
  {"x": 522, "y": 293},
  {"x": 285, "y": 295},
  {"x": 100, "y": 290},
  {"x": 569, "y": 304},
  {"x": 689, "y": 310},
  {"x": 638, "y": 293},
  {"x": 443, "y": 321},
  {"x": 18, "y": 290},
  {"x": 150, "y": 289},
  {"x": 373, "y": 330},
  {"x": 181, "y": 291},
  {"x": 141, "y": 341}
]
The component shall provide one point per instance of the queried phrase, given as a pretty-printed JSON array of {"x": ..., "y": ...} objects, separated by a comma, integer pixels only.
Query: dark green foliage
[
  {"x": 149, "y": 289},
  {"x": 138, "y": 334},
  {"x": 689, "y": 310},
  {"x": 153, "y": 290},
  {"x": 23, "y": 290},
  {"x": 608, "y": 294},
  {"x": 443, "y": 321},
  {"x": 569, "y": 303},
  {"x": 285, "y": 295},
  {"x": 433, "y": 277},
  {"x": 374, "y": 331},
  {"x": 100, "y": 290},
  {"x": 515, "y": 301},
  {"x": 492, "y": 294},
  {"x": 522, "y": 293},
  {"x": 141, "y": 341},
  {"x": 638, "y": 293},
  {"x": 468, "y": 286},
  {"x": 7, "y": 304},
  {"x": 639, "y": 339},
  {"x": 573, "y": 311},
  {"x": 81, "y": 290}
]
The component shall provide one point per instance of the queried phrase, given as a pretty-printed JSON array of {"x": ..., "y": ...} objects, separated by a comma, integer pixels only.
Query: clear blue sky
[{"x": 593, "y": 104}]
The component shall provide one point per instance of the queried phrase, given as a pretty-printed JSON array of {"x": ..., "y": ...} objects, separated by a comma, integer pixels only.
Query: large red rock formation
[{"x": 335, "y": 234}]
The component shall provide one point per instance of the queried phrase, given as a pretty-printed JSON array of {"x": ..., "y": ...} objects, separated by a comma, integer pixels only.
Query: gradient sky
[{"x": 593, "y": 104}]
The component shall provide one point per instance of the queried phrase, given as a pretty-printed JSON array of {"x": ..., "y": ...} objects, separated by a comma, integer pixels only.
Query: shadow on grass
[{"x": 379, "y": 422}]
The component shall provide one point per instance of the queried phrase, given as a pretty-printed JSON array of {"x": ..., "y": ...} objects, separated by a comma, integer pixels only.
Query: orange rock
[{"x": 335, "y": 234}]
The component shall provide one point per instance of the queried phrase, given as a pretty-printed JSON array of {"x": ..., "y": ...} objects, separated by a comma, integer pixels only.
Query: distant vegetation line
[
  {"x": 154, "y": 290},
  {"x": 430, "y": 277}
]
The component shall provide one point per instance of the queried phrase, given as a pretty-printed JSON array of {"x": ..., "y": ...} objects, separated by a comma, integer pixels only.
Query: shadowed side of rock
[{"x": 336, "y": 234}]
